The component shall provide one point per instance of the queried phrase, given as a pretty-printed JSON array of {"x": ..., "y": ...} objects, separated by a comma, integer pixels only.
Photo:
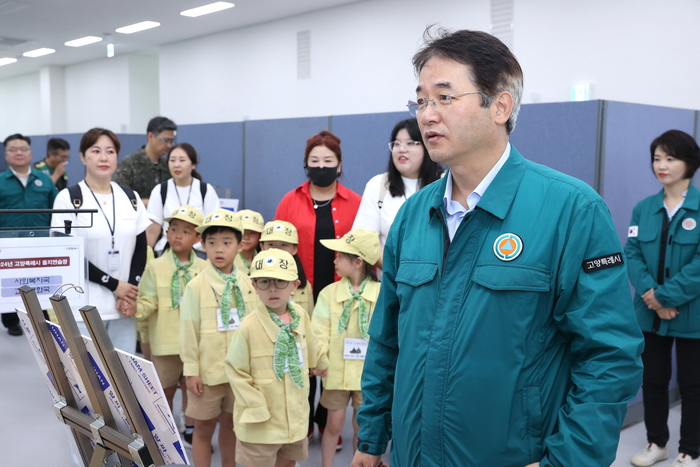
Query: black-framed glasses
[
  {"x": 445, "y": 100},
  {"x": 264, "y": 284},
  {"x": 396, "y": 145}
]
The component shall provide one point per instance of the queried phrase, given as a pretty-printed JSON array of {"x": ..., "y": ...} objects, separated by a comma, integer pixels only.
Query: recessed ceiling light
[
  {"x": 38, "y": 52},
  {"x": 142, "y": 26},
  {"x": 7, "y": 61},
  {"x": 206, "y": 9},
  {"x": 83, "y": 41}
]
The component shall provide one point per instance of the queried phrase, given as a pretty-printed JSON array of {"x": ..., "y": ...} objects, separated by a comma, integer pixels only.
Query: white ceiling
[{"x": 50, "y": 23}]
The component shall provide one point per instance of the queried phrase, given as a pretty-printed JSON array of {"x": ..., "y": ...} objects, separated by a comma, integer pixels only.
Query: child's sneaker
[
  {"x": 684, "y": 460},
  {"x": 649, "y": 456}
]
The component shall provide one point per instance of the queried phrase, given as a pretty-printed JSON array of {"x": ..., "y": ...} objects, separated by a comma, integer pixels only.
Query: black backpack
[
  {"x": 76, "y": 196},
  {"x": 164, "y": 191}
]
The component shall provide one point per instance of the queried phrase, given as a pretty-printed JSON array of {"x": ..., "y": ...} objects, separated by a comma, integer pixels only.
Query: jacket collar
[
  {"x": 690, "y": 203},
  {"x": 340, "y": 191},
  {"x": 271, "y": 329},
  {"x": 343, "y": 292},
  {"x": 500, "y": 194}
]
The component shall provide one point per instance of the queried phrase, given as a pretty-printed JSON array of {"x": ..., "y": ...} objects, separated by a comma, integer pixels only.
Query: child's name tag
[
  {"x": 113, "y": 263},
  {"x": 354, "y": 349},
  {"x": 301, "y": 359},
  {"x": 233, "y": 320}
]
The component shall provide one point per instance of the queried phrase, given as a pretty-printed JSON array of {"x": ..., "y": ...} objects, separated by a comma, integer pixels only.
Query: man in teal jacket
[{"x": 504, "y": 335}]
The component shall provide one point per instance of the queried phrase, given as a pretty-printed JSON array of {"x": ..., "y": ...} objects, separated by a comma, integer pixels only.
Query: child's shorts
[
  {"x": 213, "y": 401},
  {"x": 265, "y": 455},
  {"x": 169, "y": 368},
  {"x": 337, "y": 399}
]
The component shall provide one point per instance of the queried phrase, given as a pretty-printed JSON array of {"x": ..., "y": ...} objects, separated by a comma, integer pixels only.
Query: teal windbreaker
[
  {"x": 479, "y": 361},
  {"x": 681, "y": 287}
]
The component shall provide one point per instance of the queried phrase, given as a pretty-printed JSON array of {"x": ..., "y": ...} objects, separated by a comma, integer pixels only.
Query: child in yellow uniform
[
  {"x": 341, "y": 319},
  {"x": 160, "y": 293},
  {"x": 283, "y": 236},
  {"x": 268, "y": 366},
  {"x": 252, "y": 227},
  {"x": 213, "y": 305}
]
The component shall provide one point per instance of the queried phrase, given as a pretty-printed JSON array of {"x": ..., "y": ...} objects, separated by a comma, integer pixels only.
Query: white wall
[{"x": 641, "y": 51}]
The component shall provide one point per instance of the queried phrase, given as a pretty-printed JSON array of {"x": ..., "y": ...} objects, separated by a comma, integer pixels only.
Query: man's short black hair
[
  {"x": 17, "y": 136},
  {"x": 57, "y": 144},
  {"x": 215, "y": 229},
  {"x": 160, "y": 124}
]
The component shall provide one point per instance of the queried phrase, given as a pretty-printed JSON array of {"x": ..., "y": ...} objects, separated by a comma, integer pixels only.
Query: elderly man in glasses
[
  {"x": 22, "y": 187},
  {"x": 147, "y": 167}
]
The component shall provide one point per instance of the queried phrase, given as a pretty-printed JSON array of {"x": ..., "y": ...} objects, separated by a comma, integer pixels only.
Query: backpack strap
[
  {"x": 203, "y": 190},
  {"x": 383, "y": 186},
  {"x": 163, "y": 191},
  {"x": 132, "y": 196},
  {"x": 76, "y": 195}
]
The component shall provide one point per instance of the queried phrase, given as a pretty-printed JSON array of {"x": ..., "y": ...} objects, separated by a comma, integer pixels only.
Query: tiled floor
[{"x": 30, "y": 435}]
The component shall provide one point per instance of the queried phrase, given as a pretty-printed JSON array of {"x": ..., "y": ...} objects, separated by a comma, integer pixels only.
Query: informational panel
[
  {"x": 45, "y": 264},
  {"x": 142, "y": 376}
]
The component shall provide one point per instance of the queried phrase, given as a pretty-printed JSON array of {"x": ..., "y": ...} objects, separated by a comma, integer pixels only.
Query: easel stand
[{"x": 140, "y": 448}]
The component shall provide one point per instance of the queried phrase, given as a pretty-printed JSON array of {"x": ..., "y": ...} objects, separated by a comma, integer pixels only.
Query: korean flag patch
[{"x": 633, "y": 231}]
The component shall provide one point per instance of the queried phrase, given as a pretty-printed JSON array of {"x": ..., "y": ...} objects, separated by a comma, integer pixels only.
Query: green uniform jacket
[
  {"x": 476, "y": 361},
  {"x": 681, "y": 288},
  {"x": 137, "y": 171},
  {"x": 38, "y": 194},
  {"x": 61, "y": 183}
]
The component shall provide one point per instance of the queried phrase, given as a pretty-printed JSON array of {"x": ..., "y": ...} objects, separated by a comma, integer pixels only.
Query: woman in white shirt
[
  {"x": 115, "y": 245},
  {"x": 186, "y": 188},
  {"x": 410, "y": 169}
]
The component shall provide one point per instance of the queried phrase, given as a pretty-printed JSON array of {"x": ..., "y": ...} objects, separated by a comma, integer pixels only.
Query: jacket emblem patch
[
  {"x": 689, "y": 224},
  {"x": 507, "y": 247}
]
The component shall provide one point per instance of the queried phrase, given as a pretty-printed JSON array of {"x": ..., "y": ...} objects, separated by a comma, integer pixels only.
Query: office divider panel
[
  {"x": 629, "y": 130},
  {"x": 274, "y": 160},
  {"x": 364, "y": 141},
  {"x": 560, "y": 135},
  {"x": 220, "y": 150}
]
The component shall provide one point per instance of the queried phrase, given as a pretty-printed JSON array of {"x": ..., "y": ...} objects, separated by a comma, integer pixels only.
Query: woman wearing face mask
[
  {"x": 184, "y": 188},
  {"x": 320, "y": 208}
]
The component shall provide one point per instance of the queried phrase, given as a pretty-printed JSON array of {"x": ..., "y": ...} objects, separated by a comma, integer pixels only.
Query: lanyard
[
  {"x": 216, "y": 296},
  {"x": 188, "y": 193},
  {"x": 113, "y": 225}
]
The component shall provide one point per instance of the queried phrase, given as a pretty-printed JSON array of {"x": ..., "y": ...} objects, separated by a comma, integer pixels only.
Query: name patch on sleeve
[{"x": 603, "y": 262}]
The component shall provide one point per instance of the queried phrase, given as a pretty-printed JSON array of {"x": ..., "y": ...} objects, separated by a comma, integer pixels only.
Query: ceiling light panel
[
  {"x": 38, "y": 52},
  {"x": 142, "y": 26},
  {"x": 206, "y": 9},
  {"x": 7, "y": 61},
  {"x": 83, "y": 41}
]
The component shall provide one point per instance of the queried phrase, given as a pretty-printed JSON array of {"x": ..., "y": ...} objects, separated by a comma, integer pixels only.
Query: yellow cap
[
  {"x": 222, "y": 218},
  {"x": 187, "y": 214},
  {"x": 360, "y": 242},
  {"x": 252, "y": 220},
  {"x": 274, "y": 263},
  {"x": 280, "y": 231}
]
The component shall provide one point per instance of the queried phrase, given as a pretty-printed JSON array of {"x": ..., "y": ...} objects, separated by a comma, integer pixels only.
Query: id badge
[
  {"x": 301, "y": 359},
  {"x": 113, "y": 263},
  {"x": 354, "y": 349},
  {"x": 233, "y": 320}
]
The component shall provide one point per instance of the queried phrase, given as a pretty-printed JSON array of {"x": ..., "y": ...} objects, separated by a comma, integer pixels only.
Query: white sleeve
[
  {"x": 62, "y": 201},
  {"x": 368, "y": 215},
  {"x": 143, "y": 220},
  {"x": 211, "y": 200},
  {"x": 155, "y": 205}
]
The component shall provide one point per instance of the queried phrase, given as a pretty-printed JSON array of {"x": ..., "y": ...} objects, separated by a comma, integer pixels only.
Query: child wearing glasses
[
  {"x": 213, "y": 305},
  {"x": 268, "y": 366},
  {"x": 283, "y": 236},
  {"x": 252, "y": 228},
  {"x": 341, "y": 320}
]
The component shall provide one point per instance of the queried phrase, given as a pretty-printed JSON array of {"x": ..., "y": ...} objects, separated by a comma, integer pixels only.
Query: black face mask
[{"x": 322, "y": 176}]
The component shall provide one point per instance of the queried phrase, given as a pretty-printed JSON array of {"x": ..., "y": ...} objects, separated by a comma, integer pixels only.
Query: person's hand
[
  {"x": 650, "y": 300},
  {"x": 127, "y": 291},
  {"x": 127, "y": 308},
  {"x": 362, "y": 459},
  {"x": 60, "y": 170},
  {"x": 536, "y": 464},
  {"x": 194, "y": 385},
  {"x": 317, "y": 372},
  {"x": 667, "y": 313}
]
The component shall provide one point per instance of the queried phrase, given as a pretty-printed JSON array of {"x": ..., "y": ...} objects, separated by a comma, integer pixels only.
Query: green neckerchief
[
  {"x": 231, "y": 284},
  {"x": 175, "y": 284},
  {"x": 245, "y": 263},
  {"x": 364, "y": 311},
  {"x": 286, "y": 351}
]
